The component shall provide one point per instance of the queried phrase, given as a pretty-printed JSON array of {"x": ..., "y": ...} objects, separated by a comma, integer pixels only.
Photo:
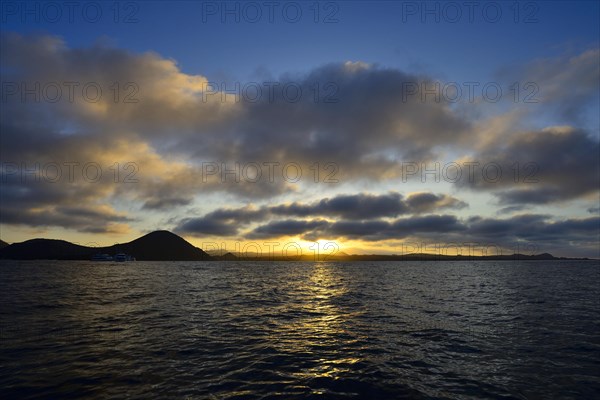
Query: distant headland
[
  {"x": 155, "y": 246},
  {"x": 167, "y": 246}
]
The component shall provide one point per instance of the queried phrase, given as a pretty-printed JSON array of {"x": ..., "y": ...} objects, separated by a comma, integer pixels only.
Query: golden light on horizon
[{"x": 320, "y": 249}]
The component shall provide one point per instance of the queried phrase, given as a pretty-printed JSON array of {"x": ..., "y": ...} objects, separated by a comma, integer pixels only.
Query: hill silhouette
[
  {"x": 155, "y": 246},
  {"x": 3, "y": 244},
  {"x": 49, "y": 249},
  {"x": 167, "y": 246},
  {"x": 344, "y": 257},
  {"x": 160, "y": 246}
]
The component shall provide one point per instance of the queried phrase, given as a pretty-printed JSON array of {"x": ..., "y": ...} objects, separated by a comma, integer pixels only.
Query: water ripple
[{"x": 509, "y": 330}]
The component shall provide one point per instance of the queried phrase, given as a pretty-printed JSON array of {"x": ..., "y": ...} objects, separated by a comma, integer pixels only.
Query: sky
[{"x": 353, "y": 126}]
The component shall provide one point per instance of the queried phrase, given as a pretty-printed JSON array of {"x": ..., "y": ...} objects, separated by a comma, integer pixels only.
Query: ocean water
[{"x": 242, "y": 330}]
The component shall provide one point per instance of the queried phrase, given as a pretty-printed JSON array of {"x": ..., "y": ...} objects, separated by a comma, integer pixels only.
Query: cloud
[
  {"x": 221, "y": 222},
  {"x": 398, "y": 229},
  {"x": 363, "y": 230},
  {"x": 429, "y": 202},
  {"x": 357, "y": 207},
  {"x": 369, "y": 206},
  {"x": 92, "y": 219},
  {"x": 539, "y": 167},
  {"x": 287, "y": 228},
  {"x": 527, "y": 233},
  {"x": 362, "y": 137},
  {"x": 174, "y": 126},
  {"x": 511, "y": 209},
  {"x": 564, "y": 85},
  {"x": 535, "y": 228},
  {"x": 179, "y": 113},
  {"x": 207, "y": 226},
  {"x": 359, "y": 117}
]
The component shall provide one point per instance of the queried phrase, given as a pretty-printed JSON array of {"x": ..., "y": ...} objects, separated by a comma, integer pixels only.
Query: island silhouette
[
  {"x": 155, "y": 246},
  {"x": 167, "y": 246}
]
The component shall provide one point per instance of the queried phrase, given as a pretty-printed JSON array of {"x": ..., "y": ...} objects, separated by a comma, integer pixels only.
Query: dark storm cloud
[
  {"x": 531, "y": 196},
  {"x": 538, "y": 233},
  {"x": 364, "y": 206},
  {"x": 536, "y": 228},
  {"x": 358, "y": 206},
  {"x": 534, "y": 234},
  {"x": 221, "y": 222},
  {"x": 554, "y": 164},
  {"x": 430, "y": 223},
  {"x": 206, "y": 226},
  {"x": 428, "y": 202},
  {"x": 240, "y": 215},
  {"x": 93, "y": 219},
  {"x": 517, "y": 225},
  {"x": 511, "y": 209},
  {"x": 372, "y": 124},
  {"x": 361, "y": 206},
  {"x": 287, "y": 228},
  {"x": 525, "y": 232},
  {"x": 398, "y": 229},
  {"x": 162, "y": 203},
  {"x": 362, "y": 230}
]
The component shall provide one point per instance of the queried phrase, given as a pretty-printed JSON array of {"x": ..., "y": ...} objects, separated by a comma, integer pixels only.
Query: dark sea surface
[{"x": 225, "y": 330}]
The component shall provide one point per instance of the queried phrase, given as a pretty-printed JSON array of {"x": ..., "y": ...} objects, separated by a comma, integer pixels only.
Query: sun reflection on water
[{"x": 320, "y": 330}]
